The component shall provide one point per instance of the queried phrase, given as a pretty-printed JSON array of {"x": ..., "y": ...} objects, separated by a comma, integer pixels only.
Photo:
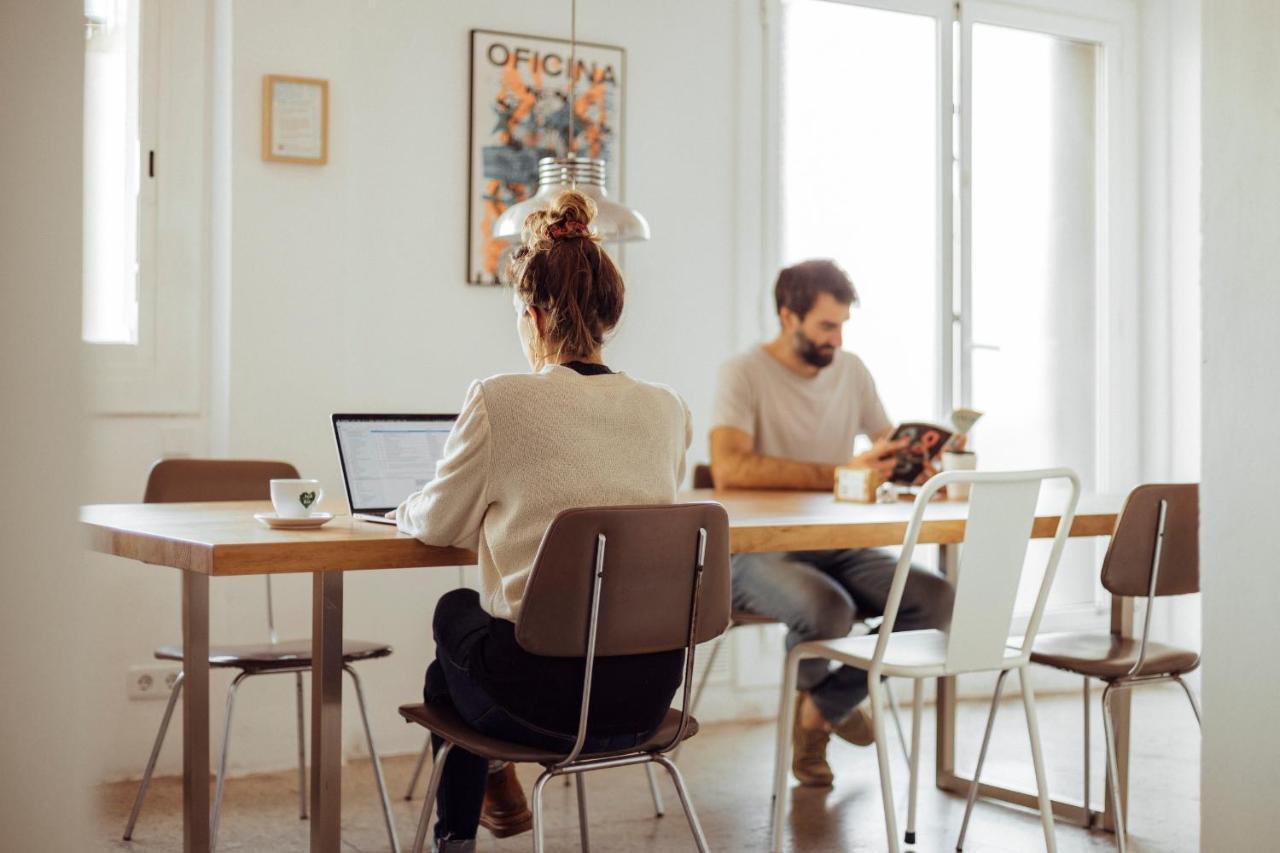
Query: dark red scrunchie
[{"x": 570, "y": 228}]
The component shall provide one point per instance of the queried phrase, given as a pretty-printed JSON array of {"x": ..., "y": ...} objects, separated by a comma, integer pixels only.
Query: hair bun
[{"x": 569, "y": 216}]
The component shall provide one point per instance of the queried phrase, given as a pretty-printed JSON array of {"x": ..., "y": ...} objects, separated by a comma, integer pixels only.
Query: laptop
[{"x": 386, "y": 458}]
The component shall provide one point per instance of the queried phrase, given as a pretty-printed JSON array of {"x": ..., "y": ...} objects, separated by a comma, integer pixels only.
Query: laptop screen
[{"x": 386, "y": 458}]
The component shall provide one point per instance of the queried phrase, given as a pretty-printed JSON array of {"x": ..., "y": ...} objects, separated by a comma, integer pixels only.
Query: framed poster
[
  {"x": 295, "y": 119},
  {"x": 520, "y": 114}
]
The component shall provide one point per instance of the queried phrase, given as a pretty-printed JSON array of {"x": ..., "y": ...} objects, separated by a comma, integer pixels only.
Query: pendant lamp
[{"x": 614, "y": 222}]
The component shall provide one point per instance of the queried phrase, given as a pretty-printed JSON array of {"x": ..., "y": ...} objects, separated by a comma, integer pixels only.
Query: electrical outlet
[{"x": 151, "y": 682}]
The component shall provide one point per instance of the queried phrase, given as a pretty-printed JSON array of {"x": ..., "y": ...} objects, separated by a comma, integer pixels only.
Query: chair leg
[
  {"x": 377, "y": 762},
  {"x": 302, "y": 752},
  {"x": 697, "y": 691},
  {"x": 1195, "y": 706},
  {"x": 982, "y": 757},
  {"x": 582, "y": 812},
  {"x": 429, "y": 803},
  {"x": 1037, "y": 759},
  {"x": 694, "y": 825},
  {"x": 882, "y": 757},
  {"x": 417, "y": 768},
  {"x": 155, "y": 753},
  {"x": 658, "y": 809},
  {"x": 917, "y": 706},
  {"x": 782, "y": 747},
  {"x": 536, "y": 801},
  {"x": 897, "y": 720},
  {"x": 1087, "y": 749},
  {"x": 222, "y": 761},
  {"x": 1113, "y": 771}
]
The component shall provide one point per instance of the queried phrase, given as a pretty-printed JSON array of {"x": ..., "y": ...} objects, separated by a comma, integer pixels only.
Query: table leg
[
  {"x": 195, "y": 712},
  {"x": 326, "y": 712}
]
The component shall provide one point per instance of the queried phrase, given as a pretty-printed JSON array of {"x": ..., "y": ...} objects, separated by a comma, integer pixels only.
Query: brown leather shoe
[
  {"x": 857, "y": 728},
  {"x": 809, "y": 753},
  {"x": 505, "y": 811}
]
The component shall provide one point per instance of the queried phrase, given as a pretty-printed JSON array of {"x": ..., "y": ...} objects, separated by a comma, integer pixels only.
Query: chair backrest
[
  {"x": 1002, "y": 510},
  {"x": 1131, "y": 556},
  {"x": 193, "y": 480},
  {"x": 650, "y": 560},
  {"x": 190, "y": 480},
  {"x": 702, "y": 478}
]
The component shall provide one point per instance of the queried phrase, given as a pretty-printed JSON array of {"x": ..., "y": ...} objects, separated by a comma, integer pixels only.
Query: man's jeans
[{"x": 819, "y": 594}]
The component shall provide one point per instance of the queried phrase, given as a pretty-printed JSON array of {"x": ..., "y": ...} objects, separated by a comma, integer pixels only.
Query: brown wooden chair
[
  {"x": 190, "y": 480},
  {"x": 1154, "y": 551},
  {"x": 608, "y": 581}
]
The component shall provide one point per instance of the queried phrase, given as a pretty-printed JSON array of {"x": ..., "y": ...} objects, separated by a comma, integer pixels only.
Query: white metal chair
[{"x": 1001, "y": 514}]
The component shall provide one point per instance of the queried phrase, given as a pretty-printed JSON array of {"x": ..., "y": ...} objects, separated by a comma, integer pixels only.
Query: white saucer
[{"x": 316, "y": 519}]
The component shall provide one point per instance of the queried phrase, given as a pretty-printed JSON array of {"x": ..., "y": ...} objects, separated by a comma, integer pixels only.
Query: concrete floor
[{"x": 727, "y": 768}]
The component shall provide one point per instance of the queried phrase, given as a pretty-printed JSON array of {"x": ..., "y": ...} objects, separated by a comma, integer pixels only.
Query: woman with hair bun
[{"x": 527, "y": 446}]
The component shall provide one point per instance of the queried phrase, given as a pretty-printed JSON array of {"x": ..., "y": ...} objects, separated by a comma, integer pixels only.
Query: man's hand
[
  {"x": 882, "y": 456},
  {"x": 955, "y": 445}
]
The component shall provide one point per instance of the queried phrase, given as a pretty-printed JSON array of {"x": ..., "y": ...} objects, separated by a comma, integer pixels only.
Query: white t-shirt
[{"x": 804, "y": 419}]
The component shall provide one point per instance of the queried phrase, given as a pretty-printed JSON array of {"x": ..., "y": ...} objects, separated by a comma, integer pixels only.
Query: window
[
  {"x": 859, "y": 184},
  {"x": 148, "y": 78},
  {"x": 955, "y": 159},
  {"x": 117, "y": 208}
]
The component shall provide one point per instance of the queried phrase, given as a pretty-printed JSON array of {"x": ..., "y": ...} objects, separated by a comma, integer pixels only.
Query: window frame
[
  {"x": 162, "y": 372},
  {"x": 1113, "y": 24}
]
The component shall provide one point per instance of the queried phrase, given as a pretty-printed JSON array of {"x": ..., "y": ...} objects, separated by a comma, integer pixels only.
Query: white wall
[
  {"x": 342, "y": 288},
  {"x": 44, "y": 622},
  {"x": 1170, "y": 294},
  {"x": 1240, "y": 774}
]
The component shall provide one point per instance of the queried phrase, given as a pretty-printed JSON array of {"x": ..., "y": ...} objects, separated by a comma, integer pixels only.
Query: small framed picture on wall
[{"x": 295, "y": 119}]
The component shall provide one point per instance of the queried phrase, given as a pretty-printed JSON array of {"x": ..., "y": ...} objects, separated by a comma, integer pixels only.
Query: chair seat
[
  {"x": 442, "y": 718},
  {"x": 289, "y": 654},
  {"x": 1108, "y": 657},
  {"x": 910, "y": 654}
]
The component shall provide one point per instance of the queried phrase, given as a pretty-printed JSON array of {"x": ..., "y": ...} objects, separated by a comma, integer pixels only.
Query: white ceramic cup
[
  {"x": 296, "y": 498},
  {"x": 958, "y": 460}
]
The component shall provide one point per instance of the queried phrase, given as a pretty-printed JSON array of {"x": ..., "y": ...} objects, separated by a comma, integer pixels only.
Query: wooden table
[{"x": 207, "y": 540}]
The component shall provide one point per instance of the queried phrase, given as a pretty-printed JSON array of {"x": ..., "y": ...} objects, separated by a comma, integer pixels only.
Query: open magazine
[{"x": 926, "y": 442}]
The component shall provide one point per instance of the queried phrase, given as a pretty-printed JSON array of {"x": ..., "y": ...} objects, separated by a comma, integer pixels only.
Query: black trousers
[{"x": 460, "y": 627}]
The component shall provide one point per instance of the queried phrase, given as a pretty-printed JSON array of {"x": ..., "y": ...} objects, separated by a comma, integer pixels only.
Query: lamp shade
[{"x": 614, "y": 222}]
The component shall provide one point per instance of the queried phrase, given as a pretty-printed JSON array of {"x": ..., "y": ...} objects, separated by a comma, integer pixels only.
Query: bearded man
[{"x": 786, "y": 415}]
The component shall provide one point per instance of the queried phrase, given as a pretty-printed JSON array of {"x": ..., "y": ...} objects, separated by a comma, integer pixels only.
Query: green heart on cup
[{"x": 307, "y": 499}]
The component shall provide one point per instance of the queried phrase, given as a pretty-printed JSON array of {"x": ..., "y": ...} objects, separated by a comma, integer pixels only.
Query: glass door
[
  {"x": 862, "y": 139},
  {"x": 1030, "y": 189},
  {"x": 968, "y": 164}
]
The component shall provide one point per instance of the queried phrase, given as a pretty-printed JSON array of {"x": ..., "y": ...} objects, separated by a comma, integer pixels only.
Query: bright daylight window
[
  {"x": 858, "y": 181},
  {"x": 112, "y": 172}
]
